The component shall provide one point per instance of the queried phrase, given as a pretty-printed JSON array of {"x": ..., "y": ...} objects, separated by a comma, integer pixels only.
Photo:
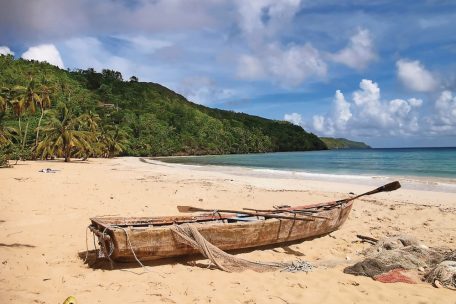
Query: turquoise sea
[{"x": 436, "y": 164}]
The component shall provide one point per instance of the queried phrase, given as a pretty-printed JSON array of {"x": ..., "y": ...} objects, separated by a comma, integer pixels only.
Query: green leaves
[{"x": 84, "y": 113}]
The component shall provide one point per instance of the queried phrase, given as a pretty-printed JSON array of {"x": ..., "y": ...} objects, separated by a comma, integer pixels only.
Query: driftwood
[{"x": 367, "y": 239}]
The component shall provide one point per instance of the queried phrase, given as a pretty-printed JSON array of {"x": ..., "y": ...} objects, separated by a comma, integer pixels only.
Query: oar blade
[
  {"x": 186, "y": 209},
  {"x": 390, "y": 187}
]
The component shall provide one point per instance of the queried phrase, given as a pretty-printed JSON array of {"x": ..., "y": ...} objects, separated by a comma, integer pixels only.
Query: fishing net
[
  {"x": 390, "y": 258},
  {"x": 403, "y": 252},
  {"x": 190, "y": 235},
  {"x": 444, "y": 273}
]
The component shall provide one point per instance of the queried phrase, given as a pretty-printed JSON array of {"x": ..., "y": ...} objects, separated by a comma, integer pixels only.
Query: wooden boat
[{"x": 150, "y": 238}]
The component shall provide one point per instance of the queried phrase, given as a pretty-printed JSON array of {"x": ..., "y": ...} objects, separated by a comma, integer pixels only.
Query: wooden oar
[
  {"x": 266, "y": 215},
  {"x": 296, "y": 211},
  {"x": 385, "y": 188},
  {"x": 310, "y": 208}
]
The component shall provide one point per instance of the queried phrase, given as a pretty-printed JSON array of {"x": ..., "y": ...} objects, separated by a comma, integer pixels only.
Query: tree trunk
[
  {"x": 67, "y": 154},
  {"x": 25, "y": 135},
  {"x": 20, "y": 126},
  {"x": 38, "y": 129}
]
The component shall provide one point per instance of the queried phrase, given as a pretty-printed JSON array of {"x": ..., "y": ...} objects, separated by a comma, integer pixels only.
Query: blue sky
[{"x": 379, "y": 71}]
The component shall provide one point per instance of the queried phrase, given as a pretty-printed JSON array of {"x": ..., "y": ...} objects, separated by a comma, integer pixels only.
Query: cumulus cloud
[
  {"x": 342, "y": 109},
  {"x": 262, "y": 19},
  {"x": 444, "y": 119},
  {"x": 288, "y": 66},
  {"x": 261, "y": 23},
  {"x": 4, "y": 50},
  {"x": 415, "y": 76},
  {"x": 44, "y": 52},
  {"x": 367, "y": 115},
  {"x": 294, "y": 118},
  {"x": 358, "y": 53}
]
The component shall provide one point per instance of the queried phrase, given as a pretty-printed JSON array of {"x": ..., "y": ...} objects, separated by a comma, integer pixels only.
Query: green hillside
[
  {"x": 105, "y": 115},
  {"x": 342, "y": 143}
]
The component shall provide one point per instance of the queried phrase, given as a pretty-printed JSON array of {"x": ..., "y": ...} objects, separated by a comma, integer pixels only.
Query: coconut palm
[
  {"x": 24, "y": 99},
  {"x": 5, "y": 98},
  {"x": 114, "y": 140},
  {"x": 44, "y": 102},
  {"x": 7, "y": 133},
  {"x": 17, "y": 104},
  {"x": 64, "y": 135},
  {"x": 90, "y": 122},
  {"x": 31, "y": 99},
  {"x": 3, "y": 104}
]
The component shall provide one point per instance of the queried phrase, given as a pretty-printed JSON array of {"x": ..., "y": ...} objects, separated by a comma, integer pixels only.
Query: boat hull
[{"x": 151, "y": 242}]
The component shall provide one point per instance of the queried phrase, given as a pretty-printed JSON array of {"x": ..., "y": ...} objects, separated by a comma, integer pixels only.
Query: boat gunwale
[{"x": 204, "y": 218}]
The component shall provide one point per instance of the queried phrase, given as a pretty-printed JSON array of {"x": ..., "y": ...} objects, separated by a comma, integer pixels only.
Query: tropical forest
[{"x": 47, "y": 112}]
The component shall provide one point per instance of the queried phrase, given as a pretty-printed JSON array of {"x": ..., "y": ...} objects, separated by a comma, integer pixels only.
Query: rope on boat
[
  {"x": 190, "y": 235},
  {"x": 131, "y": 247},
  {"x": 87, "y": 244}
]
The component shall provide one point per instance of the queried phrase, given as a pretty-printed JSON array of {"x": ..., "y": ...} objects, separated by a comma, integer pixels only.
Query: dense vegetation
[
  {"x": 48, "y": 112},
  {"x": 342, "y": 143}
]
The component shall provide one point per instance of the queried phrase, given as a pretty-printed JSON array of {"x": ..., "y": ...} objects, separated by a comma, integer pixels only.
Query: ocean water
[{"x": 420, "y": 163}]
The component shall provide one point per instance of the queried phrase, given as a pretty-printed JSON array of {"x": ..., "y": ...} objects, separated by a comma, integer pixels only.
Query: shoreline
[
  {"x": 45, "y": 216},
  {"x": 430, "y": 183}
]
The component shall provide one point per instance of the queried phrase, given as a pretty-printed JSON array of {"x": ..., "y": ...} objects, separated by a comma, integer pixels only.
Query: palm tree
[
  {"x": 44, "y": 102},
  {"x": 23, "y": 99},
  {"x": 114, "y": 140},
  {"x": 90, "y": 122},
  {"x": 17, "y": 104},
  {"x": 7, "y": 133},
  {"x": 5, "y": 98},
  {"x": 3, "y": 104},
  {"x": 64, "y": 136},
  {"x": 31, "y": 99}
]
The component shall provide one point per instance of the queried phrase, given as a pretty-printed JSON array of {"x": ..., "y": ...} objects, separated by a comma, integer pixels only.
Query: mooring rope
[{"x": 87, "y": 246}]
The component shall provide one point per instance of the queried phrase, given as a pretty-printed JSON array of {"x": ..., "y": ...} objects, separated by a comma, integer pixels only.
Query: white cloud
[
  {"x": 259, "y": 19},
  {"x": 4, "y": 50},
  {"x": 44, "y": 52},
  {"x": 358, "y": 53},
  {"x": 323, "y": 125},
  {"x": 288, "y": 66},
  {"x": 342, "y": 110},
  {"x": 415, "y": 76},
  {"x": 368, "y": 115},
  {"x": 444, "y": 118},
  {"x": 295, "y": 64},
  {"x": 262, "y": 22},
  {"x": 294, "y": 118}
]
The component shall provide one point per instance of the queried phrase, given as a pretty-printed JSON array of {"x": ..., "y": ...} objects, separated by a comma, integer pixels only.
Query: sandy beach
[{"x": 44, "y": 218}]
